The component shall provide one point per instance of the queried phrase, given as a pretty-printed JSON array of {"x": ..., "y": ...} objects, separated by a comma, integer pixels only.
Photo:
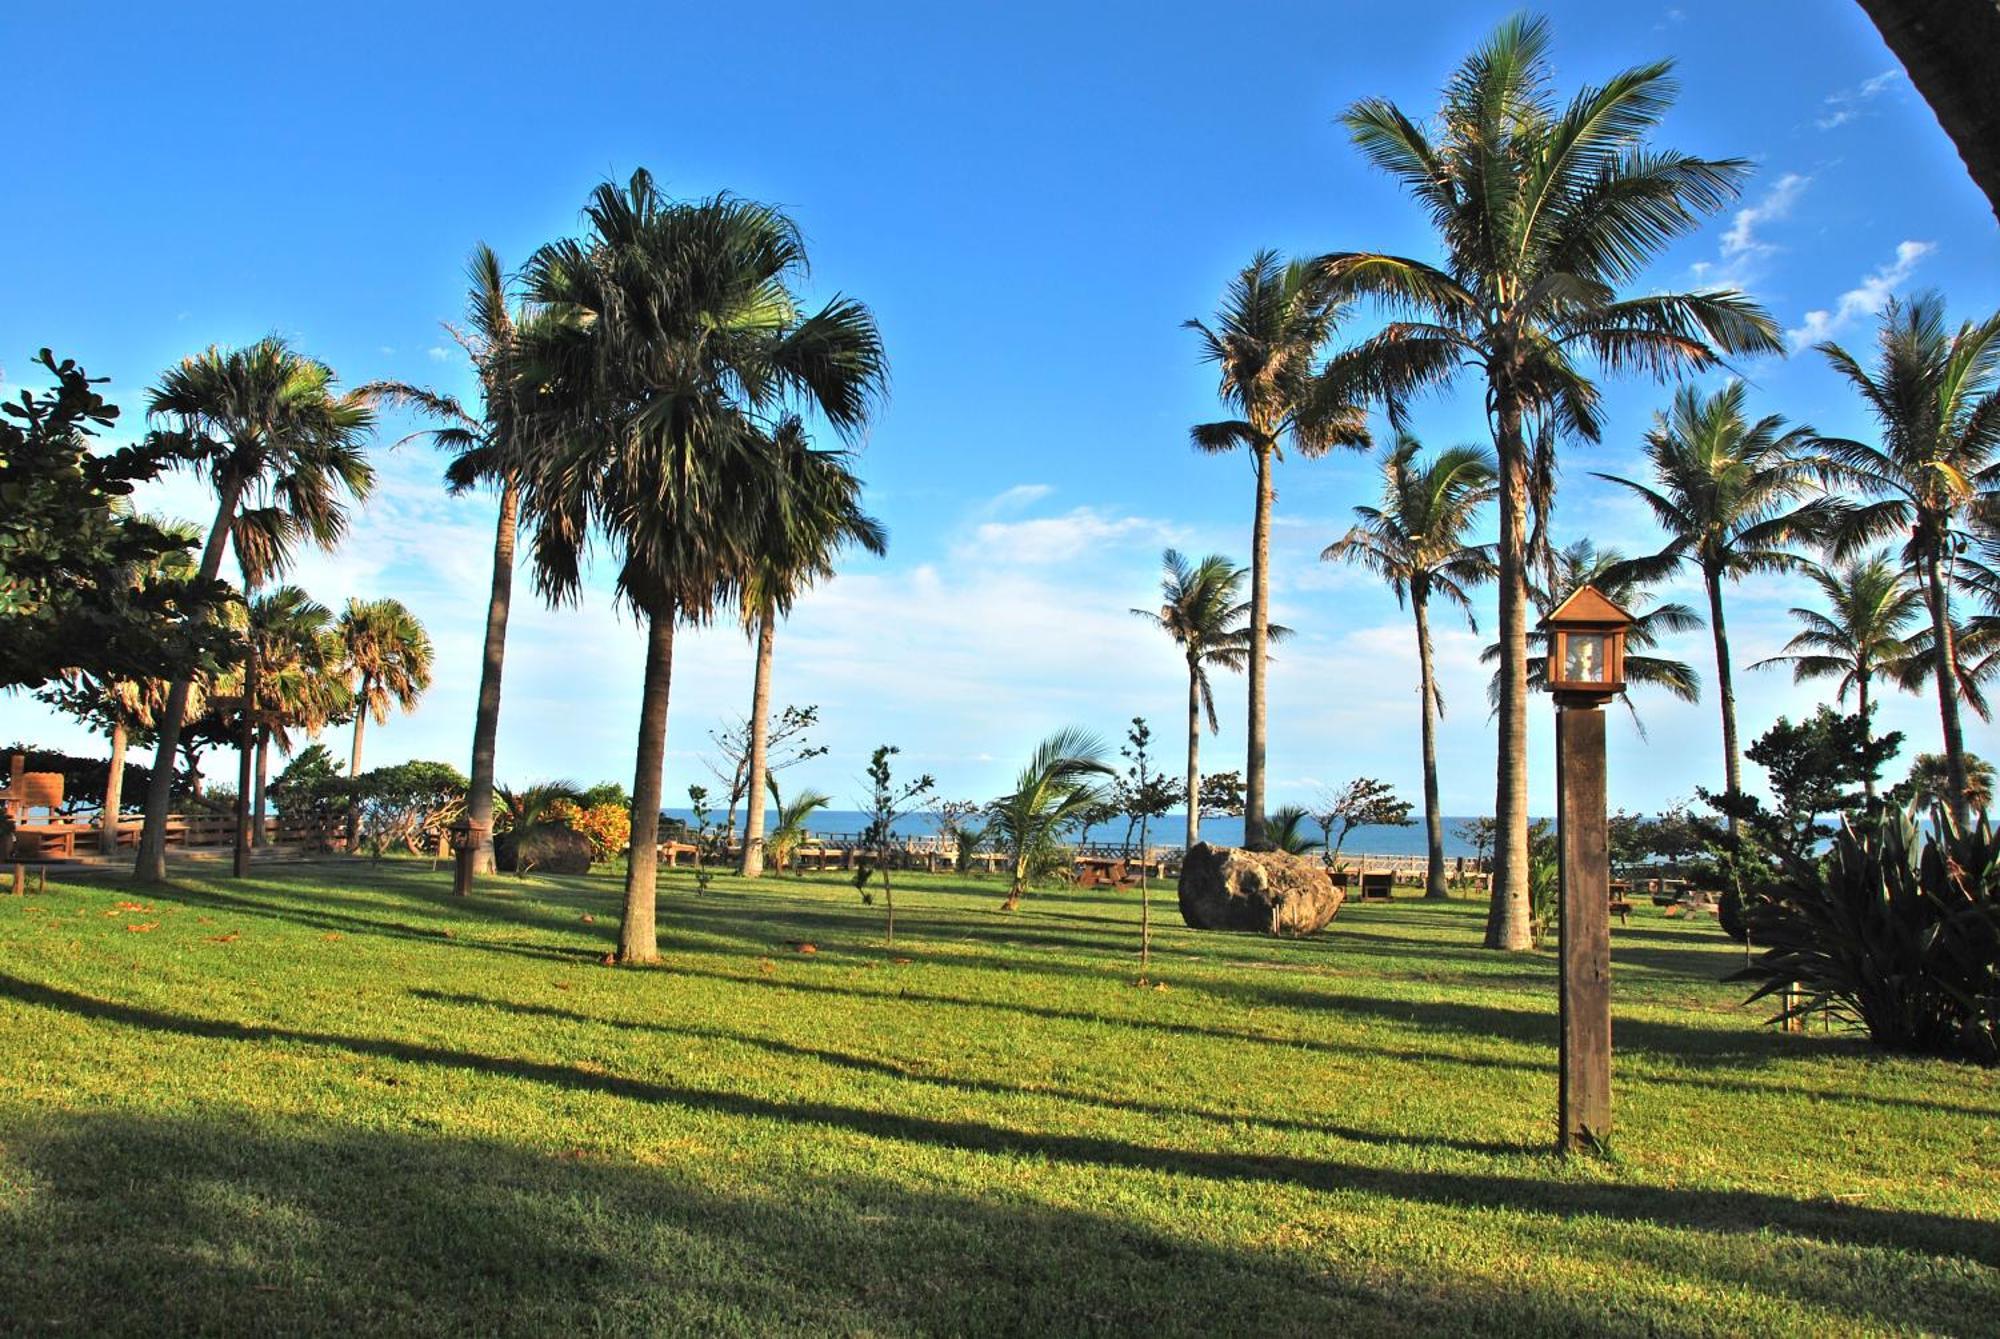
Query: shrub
[
  {"x": 1892, "y": 933},
  {"x": 608, "y": 826}
]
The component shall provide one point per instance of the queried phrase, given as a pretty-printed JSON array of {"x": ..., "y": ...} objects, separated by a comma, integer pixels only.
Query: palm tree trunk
[
  {"x": 1944, "y": 649},
  {"x": 114, "y": 791},
  {"x": 1508, "y": 922},
  {"x": 246, "y": 756},
  {"x": 1260, "y": 633},
  {"x": 493, "y": 656},
  {"x": 1427, "y": 687},
  {"x": 1194, "y": 755},
  {"x": 1725, "y": 689},
  {"x": 638, "y": 931},
  {"x": 151, "y": 865},
  {"x": 1867, "y": 729},
  {"x": 760, "y": 733},
  {"x": 1947, "y": 46},
  {"x": 354, "y": 764},
  {"x": 258, "y": 835}
]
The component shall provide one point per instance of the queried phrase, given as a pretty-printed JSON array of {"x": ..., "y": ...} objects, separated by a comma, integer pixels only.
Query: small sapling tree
[
  {"x": 1362, "y": 803},
  {"x": 886, "y": 803},
  {"x": 1144, "y": 795}
]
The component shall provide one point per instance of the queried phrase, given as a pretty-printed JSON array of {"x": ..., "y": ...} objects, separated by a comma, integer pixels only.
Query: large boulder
[
  {"x": 548, "y": 850},
  {"x": 1272, "y": 892}
]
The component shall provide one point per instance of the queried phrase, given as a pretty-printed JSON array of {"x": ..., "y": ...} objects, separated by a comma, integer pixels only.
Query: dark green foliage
[
  {"x": 84, "y": 778},
  {"x": 1362, "y": 803},
  {"x": 1222, "y": 795},
  {"x": 604, "y": 792},
  {"x": 1892, "y": 933},
  {"x": 70, "y": 548},
  {"x": 311, "y": 791},
  {"x": 409, "y": 803}
]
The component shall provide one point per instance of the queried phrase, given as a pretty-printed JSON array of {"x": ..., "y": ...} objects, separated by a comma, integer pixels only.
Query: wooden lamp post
[{"x": 1586, "y": 669}]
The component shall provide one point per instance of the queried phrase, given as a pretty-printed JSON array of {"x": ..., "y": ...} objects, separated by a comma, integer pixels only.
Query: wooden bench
[{"x": 1378, "y": 885}]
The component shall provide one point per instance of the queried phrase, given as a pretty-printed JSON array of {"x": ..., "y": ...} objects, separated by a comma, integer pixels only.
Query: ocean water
[{"x": 1165, "y": 831}]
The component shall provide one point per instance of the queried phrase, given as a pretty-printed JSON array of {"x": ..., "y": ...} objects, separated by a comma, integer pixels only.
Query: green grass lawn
[{"x": 334, "y": 1099}]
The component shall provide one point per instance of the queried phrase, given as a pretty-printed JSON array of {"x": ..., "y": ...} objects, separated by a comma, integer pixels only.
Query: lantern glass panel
[{"x": 1586, "y": 657}]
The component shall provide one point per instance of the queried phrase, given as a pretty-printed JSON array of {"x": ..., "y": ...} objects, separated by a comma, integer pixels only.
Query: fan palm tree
[
  {"x": 386, "y": 657},
  {"x": 1266, "y": 342},
  {"x": 1058, "y": 785},
  {"x": 1628, "y": 585},
  {"x": 1202, "y": 609},
  {"x": 299, "y": 686},
  {"x": 1936, "y": 397},
  {"x": 1929, "y": 784},
  {"x": 273, "y": 435},
  {"x": 1731, "y": 496},
  {"x": 1858, "y": 638},
  {"x": 1544, "y": 212},
  {"x": 482, "y": 447},
  {"x": 1416, "y": 542},
  {"x": 668, "y": 331},
  {"x": 813, "y": 510}
]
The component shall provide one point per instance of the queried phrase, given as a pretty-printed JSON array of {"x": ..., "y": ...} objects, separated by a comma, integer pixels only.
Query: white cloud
[
  {"x": 438, "y": 353},
  {"x": 1017, "y": 498},
  {"x": 1742, "y": 247},
  {"x": 1864, "y": 299},
  {"x": 1082, "y": 532},
  {"x": 1847, "y": 104}
]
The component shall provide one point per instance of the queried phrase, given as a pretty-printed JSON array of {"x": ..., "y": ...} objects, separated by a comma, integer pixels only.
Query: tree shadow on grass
[
  {"x": 1696, "y": 1209},
  {"x": 903, "y": 1074},
  {"x": 221, "y": 1224}
]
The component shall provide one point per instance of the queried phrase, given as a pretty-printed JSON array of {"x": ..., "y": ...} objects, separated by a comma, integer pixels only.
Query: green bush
[{"x": 1893, "y": 933}]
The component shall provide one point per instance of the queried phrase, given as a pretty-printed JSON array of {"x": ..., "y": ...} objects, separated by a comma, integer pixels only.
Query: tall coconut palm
[
  {"x": 1266, "y": 342},
  {"x": 1202, "y": 609},
  {"x": 386, "y": 658},
  {"x": 1947, "y": 46},
  {"x": 1057, "y": 787},
  {"x": 1858, "y": 638},
  {"x": 1935, "y": 394},
  {"x": 1415, "y": 541},
  {"x": 1628, "y": 584},
  {"x": 270, "y": 431},
  {"x": 1544, "y": 213},
  {"x": 1929, "y": 782},
  {"x": 813, "y": 509},
  {"x": 482, "y": 447},
  {"x": 1732, "y": 496},
  {"x": 668, "y": 330}
]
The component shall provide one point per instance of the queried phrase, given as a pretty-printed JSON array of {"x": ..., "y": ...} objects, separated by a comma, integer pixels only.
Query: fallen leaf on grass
[
  {"x": 332, "y": 934},
  {"x": 451, "y": 934},
  {"x": 141, "y": 929},
  {"x": 229, "y": 938},
  {"x": 589, "y": 919},
  {"x": 900, "y": 962},
  {"x": 562, "y": 985},
  {"x": 609, "y": 960},
  {"x": 766, "y": 966},
  {"x": 133, "y": 906},
  {"x": 808, "y": 948}
]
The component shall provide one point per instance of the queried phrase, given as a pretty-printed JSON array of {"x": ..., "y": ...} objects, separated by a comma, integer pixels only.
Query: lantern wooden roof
[{"x": 1588, "y": 607}]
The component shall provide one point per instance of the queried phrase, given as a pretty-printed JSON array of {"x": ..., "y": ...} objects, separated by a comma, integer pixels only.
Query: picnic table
[{"x": 1102, "y": 871}]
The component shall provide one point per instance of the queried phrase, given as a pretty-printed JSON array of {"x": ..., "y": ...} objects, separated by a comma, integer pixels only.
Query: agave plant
[{"x": 1892, "y": 933}]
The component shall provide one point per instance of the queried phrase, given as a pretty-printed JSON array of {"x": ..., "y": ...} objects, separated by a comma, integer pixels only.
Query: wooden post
[{"x": 1585, "y": 1105}]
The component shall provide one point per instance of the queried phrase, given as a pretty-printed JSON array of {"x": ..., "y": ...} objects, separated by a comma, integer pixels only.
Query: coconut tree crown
[
  {"x": 1862, "y": 633},
  {"x": 1415, "y": 537},
  {"x": 1202, "y": 609}
]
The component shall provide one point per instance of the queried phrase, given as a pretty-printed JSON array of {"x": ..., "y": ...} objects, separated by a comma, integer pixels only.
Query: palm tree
[
  {"x": 1936, "y": 397},
  {"x": 1860, "y": 636},
  {"x": 1544, "y": 212},
  {"x": 386, "y": 657},
  {"x": 1266, "y": 342},
  {"x": 1728, "y": 493},
  {"x": 299, "y": 687},
  {"x": 1947, "y": 48},
  {"x": 482, "y": 447},
  {"x": 1203, "y": 611},
  {"x": 267, "y": 426},
  {"x": 793, "y": 816},
  {"x": 667, "y": 332},
  {"x": 1056, "y": 788},
  {"x": 1628, "y": 584},
  {"x": 532, "y": 810},
  {"x": 814, "y": 508},
  {"x": 1416, "y": 542},
  {"x": 1288, "y": 830},
  {"x": 1929, "y": 783}
]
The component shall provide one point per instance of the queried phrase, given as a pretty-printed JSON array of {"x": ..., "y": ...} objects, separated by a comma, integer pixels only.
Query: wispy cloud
[
  {"x": 1743, "y": 248},
  {"x": 1017, "y": 498},
  {"x": 1847, "y": 104},
  {"x": 438, "y": 353},
  {"x": 1864, "y": 299}
]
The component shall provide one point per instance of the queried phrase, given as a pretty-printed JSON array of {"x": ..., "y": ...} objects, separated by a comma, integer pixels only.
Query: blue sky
[{"x": 1032, "y": 198}]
